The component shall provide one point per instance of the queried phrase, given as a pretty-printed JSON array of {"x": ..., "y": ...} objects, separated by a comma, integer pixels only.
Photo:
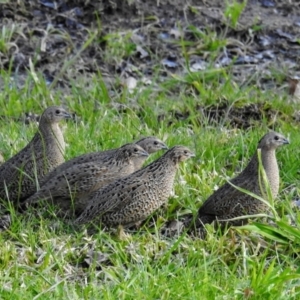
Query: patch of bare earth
[{"x": 138, "y": 40}]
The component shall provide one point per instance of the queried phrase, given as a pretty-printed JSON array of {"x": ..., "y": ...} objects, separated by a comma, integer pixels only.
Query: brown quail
[
  {"x": 20, "y": 174},
  {"x": 133, "y": 198},
  {"x": 67, "y": 187},
  {"x": 228, "y": 202},
  {"x": 150, "y": 144}
]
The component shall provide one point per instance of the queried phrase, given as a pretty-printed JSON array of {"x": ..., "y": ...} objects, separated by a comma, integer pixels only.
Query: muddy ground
[{"x": 139, "y": 40}]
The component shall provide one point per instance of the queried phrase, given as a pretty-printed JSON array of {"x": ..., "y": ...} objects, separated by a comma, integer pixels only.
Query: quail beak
[
  {"x": 67, "y": 115},
  {"x": 144, "y": 153},
  {"x": 285, "y": 141},
  {"x": 164, "y": 147},
  {"x": 192, "y": 154}
]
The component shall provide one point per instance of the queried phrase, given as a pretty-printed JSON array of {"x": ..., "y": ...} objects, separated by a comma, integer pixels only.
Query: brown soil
[
  {"x": 51, "y": 32},
  {"x": 47, "y": 34}
]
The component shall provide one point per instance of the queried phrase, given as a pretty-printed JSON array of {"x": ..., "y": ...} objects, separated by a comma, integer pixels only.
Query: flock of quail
[{"x": 113, "y": 188}]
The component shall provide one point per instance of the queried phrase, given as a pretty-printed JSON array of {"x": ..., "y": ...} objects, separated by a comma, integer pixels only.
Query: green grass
[{"x": 41, "y": 257}]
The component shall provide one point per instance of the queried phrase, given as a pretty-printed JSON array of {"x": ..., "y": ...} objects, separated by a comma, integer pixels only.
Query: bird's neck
[
  {"x": 164, "y": 164},
  {"x": 269, "y": 162},
  {"x": 270, "y": 165},
  {"x": 138, "y": 162},
  {"x": 52, "y": 133},
  {"x": 172, "y": 169},
  {"x": 168, "y": 171},
  {"x": 175, "y": 162}
]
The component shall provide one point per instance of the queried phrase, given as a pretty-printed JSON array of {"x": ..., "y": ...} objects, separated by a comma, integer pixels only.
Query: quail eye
[
  {"x": 276, "y": 138},
  {"x": 185, "y": 152},
  {"x": 155, "y": 143},
  {"x": 57, "y": 112},
  {"x": 135, "y": 150}
]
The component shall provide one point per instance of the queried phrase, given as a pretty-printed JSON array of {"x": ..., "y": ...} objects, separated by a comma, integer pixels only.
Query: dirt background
[
  {"x": 136, "y": 41},
  {"x": 49, "y": 33}
]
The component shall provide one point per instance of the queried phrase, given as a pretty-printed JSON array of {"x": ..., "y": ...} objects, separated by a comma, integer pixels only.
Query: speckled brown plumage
[
  {"x": 150, "y": 144},
  {"x": 19, "y": 175},
  {"x": 67, "y": 187},
  {"x": 228, "y": 202},
  {"x": 134, "y": 197}
]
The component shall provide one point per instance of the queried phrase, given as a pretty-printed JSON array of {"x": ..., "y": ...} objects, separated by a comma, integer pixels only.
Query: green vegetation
[{"x": 41, "y": 257}]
